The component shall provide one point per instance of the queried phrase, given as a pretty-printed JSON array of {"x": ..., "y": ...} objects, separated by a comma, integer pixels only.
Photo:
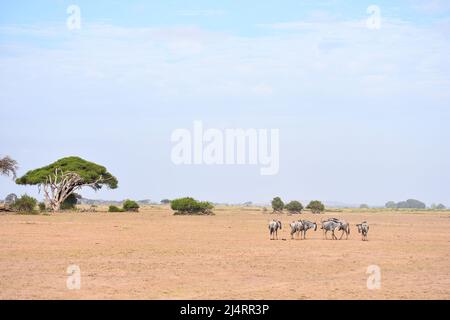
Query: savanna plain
[{"x": 154, "y": 254}]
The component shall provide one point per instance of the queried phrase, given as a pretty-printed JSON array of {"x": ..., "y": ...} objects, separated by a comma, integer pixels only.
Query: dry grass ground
[{"x": 155, "y": 255}]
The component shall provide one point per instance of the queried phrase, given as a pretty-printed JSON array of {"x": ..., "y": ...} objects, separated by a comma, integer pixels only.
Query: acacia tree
[
  {"x": 65, "y": 176},
  {"x": 8, "y": 166}
]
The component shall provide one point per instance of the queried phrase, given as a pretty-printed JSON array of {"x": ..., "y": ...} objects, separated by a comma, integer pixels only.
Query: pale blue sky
[{"x": 363, "y": 114}]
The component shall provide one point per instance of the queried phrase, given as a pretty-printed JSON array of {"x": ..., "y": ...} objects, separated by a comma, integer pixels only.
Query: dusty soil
[{"x": 155, "y": 255}]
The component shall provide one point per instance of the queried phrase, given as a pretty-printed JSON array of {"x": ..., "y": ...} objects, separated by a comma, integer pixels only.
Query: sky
[{"x": 363, "y": 113}]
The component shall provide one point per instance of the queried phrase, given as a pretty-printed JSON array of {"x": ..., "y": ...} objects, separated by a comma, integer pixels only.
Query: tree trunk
[
  {"x": 58, "y": 187},
  {"x": 56, "y": 206}
]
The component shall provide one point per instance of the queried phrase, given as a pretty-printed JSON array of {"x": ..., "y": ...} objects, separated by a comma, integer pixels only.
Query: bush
[
  {"x": 411, "y": 204},
  {"x": 42, "y": 206},
  {"x": 277, "y": 204},
  {"x": 24, "y": 204},
  {"x": 294, "y": 207},
  {"x": 130, "y": 206},
  {"x": 439, "y": 206},
  {"x": 191, "y": 206},
  {"x": 316, "y": 206},
  {"x": 10, "y": 199},
  {"x": 70, "y": 202},
  {"x": 391, "y": 205},
  {"x": 115, "y": 209}
]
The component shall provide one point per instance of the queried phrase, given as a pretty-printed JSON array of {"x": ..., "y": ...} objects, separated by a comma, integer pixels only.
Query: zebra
[
  {"x": 306, "y": 225},
  {"x": 330, "y": 225},
  {"x": 363, "y": 228},
  {"x": 296, "y": 227},
  {"x": 274, "y": 225}
]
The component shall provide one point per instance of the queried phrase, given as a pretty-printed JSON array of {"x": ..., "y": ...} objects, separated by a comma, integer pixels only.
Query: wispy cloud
[
  {"x": 432, "y": 6},
  {"x": 341, "y": 58},
  {"x": 201, "y": 13}
]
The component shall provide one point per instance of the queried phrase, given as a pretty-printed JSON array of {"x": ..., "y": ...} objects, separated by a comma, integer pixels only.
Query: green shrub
[
  {"x": 439, "y": 206},
  {"x": 115, "y": 209},
  {"x": 191, "y": 206},
  {"x": 70, "y": 202},
  {"x": 411, "y": 204},
  {"x": 10, "y": 199},
  {"x": 294, "y": 207},
  {"x": 277, "y": 204},
  {"x": 42, "y": 206},
  {"x": 130, "y": 205},
  {"x": 24, "y": 204},
  {"x": 316, "y": 206},
  {"x": 391, "y": 205}
]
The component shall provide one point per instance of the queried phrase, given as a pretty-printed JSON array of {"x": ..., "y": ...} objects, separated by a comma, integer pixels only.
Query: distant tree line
[
  {"x": 439, "y": 206},
  {"x": 408, "y": 204},
  {"x": 296, "y": 207}
]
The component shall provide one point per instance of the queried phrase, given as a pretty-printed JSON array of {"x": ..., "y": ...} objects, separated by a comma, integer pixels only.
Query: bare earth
[{"x": 155, "y": 255}]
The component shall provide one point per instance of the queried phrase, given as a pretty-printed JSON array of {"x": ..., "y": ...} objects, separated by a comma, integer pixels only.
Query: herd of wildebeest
[{"x": 300, "y": 227}]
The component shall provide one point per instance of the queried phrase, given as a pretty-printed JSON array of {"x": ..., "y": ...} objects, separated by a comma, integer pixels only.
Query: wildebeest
[
  {"x": 306, "y": 225},
  {"x": 296, "y": 227},
  {"x": 332, "y": 219},
  {"x": 363, "y": 228},
  {"x": 345, "y": 228},
  {"x": 330, "y": 225},
  {"x": 274, "y": 225}
]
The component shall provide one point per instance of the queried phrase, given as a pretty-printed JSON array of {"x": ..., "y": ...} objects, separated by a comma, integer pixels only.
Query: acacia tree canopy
[
  {"x": 67, "y": 175},
  {"x": 90, "y": 173}
]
